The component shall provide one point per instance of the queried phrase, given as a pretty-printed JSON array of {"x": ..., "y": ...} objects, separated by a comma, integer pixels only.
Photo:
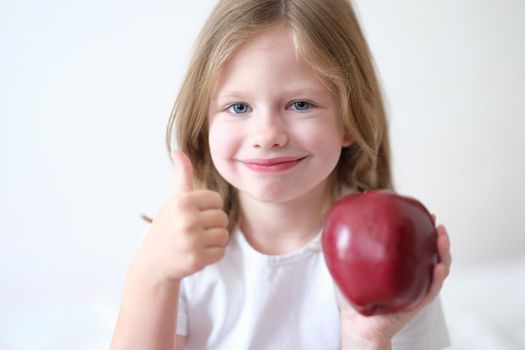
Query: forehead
[
  {"x": 277, "y": 36},
  {"x": 270, "y": 58}
]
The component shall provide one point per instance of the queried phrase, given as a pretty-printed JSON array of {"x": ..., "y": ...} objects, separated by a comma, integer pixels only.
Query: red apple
[{"x": 380, "y": 248}]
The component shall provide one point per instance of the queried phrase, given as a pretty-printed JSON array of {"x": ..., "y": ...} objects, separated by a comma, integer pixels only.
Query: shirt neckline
[
  {"x": 310, "y": 248},
  {"x": 314, "y": 246}
]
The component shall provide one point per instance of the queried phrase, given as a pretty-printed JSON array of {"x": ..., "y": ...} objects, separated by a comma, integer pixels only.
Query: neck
[{"x": 279, "y": 228}]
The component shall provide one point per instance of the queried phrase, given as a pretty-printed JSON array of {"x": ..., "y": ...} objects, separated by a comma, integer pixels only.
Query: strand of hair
[{"x": 146, "y": 218}]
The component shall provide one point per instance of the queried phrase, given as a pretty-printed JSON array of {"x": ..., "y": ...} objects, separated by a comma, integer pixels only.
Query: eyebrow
[{"x": 311, "y": 90}]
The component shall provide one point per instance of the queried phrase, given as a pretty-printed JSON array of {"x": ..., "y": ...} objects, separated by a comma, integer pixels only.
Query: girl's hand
[
  {"x": 188, "y": 232},
  {"x": 377, "y": 331}
]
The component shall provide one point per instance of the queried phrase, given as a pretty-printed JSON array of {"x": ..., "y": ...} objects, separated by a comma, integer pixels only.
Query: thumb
[{"x": 182, "y": 180}]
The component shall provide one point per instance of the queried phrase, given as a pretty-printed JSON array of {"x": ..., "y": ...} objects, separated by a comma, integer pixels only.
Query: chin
[
  {"x": 277, "y": 193},
  {"x": 269, "y": 194},
  {"x": 263, "y": 192}
]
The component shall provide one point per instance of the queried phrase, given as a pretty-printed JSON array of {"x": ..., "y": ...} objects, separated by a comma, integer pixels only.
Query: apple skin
[{"x": 380, "y": 248}]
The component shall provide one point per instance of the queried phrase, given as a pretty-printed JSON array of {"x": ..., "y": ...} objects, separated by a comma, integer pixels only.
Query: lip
[{"x": 272, "y": 164}]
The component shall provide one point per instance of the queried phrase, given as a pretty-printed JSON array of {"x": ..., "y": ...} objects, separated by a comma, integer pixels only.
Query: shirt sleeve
[{"x": 426, "y": 331}]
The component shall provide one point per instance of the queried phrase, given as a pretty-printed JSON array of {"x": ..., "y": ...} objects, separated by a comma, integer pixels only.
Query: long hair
[{"x": 327, "y": 35}]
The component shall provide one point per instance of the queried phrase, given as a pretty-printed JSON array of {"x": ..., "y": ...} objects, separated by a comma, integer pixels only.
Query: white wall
[
  {"x": 454, "y": 75},
  {"x": 86, "y": 89}
]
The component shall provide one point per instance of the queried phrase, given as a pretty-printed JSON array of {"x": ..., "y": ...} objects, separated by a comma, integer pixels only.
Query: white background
[{"x": 86, "y": 88}]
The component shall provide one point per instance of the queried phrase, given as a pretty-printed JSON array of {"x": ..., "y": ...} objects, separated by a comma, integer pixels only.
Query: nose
[{"x": 270, "y": 131}]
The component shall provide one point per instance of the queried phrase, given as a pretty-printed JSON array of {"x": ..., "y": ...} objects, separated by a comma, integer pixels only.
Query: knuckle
[
  {"x": 192, "y": 224},
  {"x": 178, "y": 204},
  {"x": 219, "y": 254},
  {"x": 220, "y": 201},
  {"x": 190, "y": 244},
  {"x": 216, "y": 197},
  {"x": 183, "y": 202},
  {"x": 225, "y": 236},
  {"x": 222, "y": 253},
  {"x": 194, "y": 261},
  {"x": 187, "y": 224},
  {"x": 222, "y": 218}
]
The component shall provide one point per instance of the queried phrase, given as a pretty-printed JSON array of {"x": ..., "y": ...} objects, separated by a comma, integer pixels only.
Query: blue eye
[
  {"x": 238, "y": 108},
  {"x": 301, "y": 105}
]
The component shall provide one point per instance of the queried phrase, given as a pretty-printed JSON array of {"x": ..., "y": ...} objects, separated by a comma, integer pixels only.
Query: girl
[{"x": 280, "y": 114}]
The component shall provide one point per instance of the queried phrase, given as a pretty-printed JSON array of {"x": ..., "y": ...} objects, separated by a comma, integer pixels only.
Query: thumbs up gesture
[{"x": 189, "y": 230}]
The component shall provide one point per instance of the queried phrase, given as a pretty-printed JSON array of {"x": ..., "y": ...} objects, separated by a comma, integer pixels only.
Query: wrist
[
  {"x": 355, "y": 342},
  {"x": 366, "y": 340},
  {"x": 148, "y": 273},
  {"x": 364, "y": 344}
]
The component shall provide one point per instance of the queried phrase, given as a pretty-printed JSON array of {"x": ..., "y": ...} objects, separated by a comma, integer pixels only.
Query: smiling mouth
[{"x": 272, "y": 164}]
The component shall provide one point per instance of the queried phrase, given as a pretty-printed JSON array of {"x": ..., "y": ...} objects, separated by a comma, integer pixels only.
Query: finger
[
  {"x": 213, "y": 254},
  {"x": 213, "y": 218},
  {"x": 433, "y": 219},
  {"x": 205, "y": 199},
  {"x": 438, "y": 276},
  {"x": 443, "y": 245},
  {"x": 441, "y": 269},
  {"x": 216, "y": 237},
  {"x": 182, "y": 181}
]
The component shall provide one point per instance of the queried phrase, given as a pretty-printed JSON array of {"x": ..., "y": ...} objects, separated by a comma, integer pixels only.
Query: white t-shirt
[{"x": 249, "y": 300}]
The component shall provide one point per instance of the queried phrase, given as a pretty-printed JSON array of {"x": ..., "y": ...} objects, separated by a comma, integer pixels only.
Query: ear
[{"x": 347, "y": 140}]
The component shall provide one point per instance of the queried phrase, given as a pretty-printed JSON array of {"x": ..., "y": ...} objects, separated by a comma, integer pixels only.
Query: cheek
[
  {"x": 325, "y": 139},
  {"x": 223, "y": 142},
  {"x": 325, "y": 142}
]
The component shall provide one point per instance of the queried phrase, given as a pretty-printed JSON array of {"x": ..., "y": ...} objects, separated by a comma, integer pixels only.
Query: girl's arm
[
  {"x": 180, "y": 342},
  {"x": 188, "y": 233},
  {"x": 148, "y": 314},
  {"x": 349, "y": 342}
]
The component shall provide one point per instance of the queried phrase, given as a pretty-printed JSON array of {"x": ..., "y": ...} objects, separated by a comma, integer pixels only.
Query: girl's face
[{"x": 274, "y": 128}]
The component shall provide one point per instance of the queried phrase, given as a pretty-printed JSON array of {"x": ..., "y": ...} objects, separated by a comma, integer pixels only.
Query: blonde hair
[{"x": 327, "y": 36}]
